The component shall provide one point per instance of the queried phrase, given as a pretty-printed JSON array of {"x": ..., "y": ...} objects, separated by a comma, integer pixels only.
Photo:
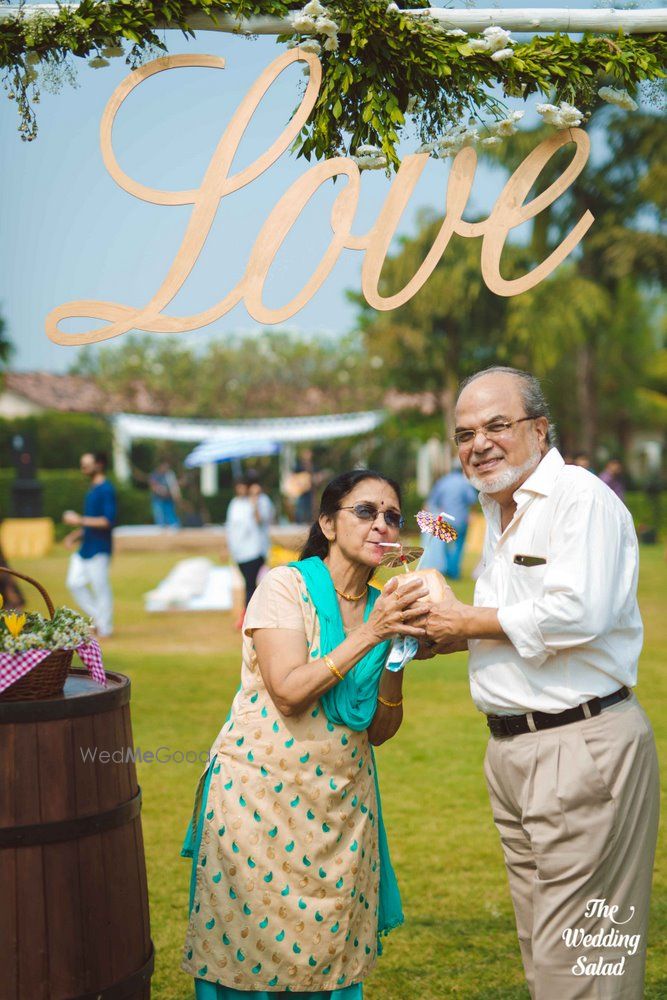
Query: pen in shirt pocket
[{"x": 529, "y": 560}]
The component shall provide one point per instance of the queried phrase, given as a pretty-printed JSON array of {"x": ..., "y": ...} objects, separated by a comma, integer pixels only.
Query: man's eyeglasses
[
  {"x": 369, "y": 512},
  {"x": 493, "y": 430}
]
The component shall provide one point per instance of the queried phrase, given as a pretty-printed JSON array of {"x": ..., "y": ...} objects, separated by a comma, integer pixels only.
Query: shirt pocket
[{"x": 527, "y": 578}]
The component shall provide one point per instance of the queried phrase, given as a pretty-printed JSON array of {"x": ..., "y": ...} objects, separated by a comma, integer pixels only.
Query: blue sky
[{"x": 68, "y": 232}]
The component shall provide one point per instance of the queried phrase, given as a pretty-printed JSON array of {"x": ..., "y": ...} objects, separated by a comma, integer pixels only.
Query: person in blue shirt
[
  {"x": 453, "y": 495},
  {"x": 165, "y": 494},
  {"x": 88, "y": 573}
]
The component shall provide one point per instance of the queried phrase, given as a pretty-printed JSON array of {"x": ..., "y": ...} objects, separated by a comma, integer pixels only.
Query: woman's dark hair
[{"x": 332, "y": 498}]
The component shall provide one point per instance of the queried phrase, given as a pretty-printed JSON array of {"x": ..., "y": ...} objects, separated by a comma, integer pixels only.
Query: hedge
[
  {"x": 65, "y": 489},
  {"x": 59, "y": 438}
]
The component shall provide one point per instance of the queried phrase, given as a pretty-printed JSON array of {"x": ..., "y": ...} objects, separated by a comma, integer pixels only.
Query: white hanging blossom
[
  {"x": 369, "y": 157},
  {"x": 507, "y": 126},
  {"x": 326, "y": 26},
  {"x": 620, "y": 98},
  {"x": 479, "y": 45},
  {"x": 314, "y": 19},
  {"x": 564, "y": 116},
  {"x": 495, "y": 41},
  {"x": 454, "y": 139},
  {"x": 314, "y": 9},
  {"x": 311, "y": 45},
  {"x": 459, "y": 136},
  {"x": 498, "y": 38},
  {"x": 456, "y": 33},
  {"x": 303, "y": 23}
]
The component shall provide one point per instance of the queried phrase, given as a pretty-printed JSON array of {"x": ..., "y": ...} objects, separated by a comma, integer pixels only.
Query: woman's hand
[{"x": 400, "y": 610}]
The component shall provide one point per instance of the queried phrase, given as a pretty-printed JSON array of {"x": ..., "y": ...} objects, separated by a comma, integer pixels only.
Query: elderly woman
[{"x": 292, "y": 883}]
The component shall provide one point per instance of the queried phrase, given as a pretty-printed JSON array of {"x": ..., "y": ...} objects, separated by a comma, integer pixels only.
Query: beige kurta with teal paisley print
[{"x": 287, "y": 875}]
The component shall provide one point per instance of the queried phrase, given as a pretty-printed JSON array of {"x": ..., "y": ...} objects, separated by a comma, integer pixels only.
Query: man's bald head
[{"x": 526, "y": 385}]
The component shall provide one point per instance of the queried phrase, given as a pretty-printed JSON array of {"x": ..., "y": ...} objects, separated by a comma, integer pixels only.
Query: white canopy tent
[
  {"x": 226, "y": 451},
  {"x": 244, "y": 437}
]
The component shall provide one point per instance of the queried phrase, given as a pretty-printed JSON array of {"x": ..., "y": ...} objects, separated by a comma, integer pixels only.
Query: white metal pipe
[
  {"x": 530, "y": 20},
  {"x": 548, "y": 19}
]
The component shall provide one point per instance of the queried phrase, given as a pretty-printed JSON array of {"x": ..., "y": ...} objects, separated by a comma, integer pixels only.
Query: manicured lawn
[{"x": 459, "y": 938}]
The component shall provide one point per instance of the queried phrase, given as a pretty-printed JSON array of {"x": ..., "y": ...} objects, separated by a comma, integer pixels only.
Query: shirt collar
[{"x": 542, "y": 480}]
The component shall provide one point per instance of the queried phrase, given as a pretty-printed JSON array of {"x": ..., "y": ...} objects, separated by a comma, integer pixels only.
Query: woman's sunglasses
[{"x": 368, "y": 512}]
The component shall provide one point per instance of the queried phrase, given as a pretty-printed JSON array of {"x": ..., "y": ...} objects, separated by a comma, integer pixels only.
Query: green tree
[
  {"x": 452, "y": 327},
  {"x": 593, "y": 325},
  {"x": 269, "y": 374},
  {"x": 6, "y": 346}
]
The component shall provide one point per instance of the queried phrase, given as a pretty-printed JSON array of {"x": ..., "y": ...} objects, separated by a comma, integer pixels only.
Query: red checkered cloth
[{"x": 14, "y": 666}]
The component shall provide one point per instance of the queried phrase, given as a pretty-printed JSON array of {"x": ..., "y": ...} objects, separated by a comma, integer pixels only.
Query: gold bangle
[
  {"x": 389, "y": 704},
  {"x": 332, "y": 666}
]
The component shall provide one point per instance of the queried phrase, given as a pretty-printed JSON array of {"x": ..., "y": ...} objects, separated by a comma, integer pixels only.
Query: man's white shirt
[{"x": 572, "y": 622}]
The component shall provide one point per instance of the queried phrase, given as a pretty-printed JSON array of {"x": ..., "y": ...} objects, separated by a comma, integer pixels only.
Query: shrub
[{"x": 59, "y": 438}]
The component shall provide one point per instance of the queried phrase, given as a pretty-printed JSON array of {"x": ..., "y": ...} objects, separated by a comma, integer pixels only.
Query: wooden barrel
[{"x": 74, "y": 919}]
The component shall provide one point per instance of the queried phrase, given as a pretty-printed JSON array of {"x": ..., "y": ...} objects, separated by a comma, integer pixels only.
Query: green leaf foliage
[{"x": 370, "y": 92}]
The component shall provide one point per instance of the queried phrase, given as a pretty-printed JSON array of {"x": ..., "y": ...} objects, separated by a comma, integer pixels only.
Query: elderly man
[{"x": 554, "y": 637}]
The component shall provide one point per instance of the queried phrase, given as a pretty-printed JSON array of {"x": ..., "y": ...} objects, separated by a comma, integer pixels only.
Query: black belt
[{"x": 515, "y": 725}]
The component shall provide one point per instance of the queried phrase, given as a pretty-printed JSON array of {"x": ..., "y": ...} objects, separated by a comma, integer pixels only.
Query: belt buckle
[{"x": 512, "y": 724}]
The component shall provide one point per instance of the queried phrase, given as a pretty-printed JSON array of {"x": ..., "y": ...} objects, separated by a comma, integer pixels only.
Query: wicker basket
[{"x": 47, "y": 679}]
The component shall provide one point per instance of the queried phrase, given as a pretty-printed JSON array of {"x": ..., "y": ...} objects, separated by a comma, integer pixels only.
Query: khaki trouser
[{"x": 577, "y": 812}]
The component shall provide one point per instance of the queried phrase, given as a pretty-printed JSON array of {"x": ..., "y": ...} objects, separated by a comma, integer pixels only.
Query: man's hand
[
  {"x": 429, "y": 648},
  {"x": 70, "y": 540},
  {"x": 451, "y": 623},
  {"x": 446, "y": 621},
  {"x": 72, "y": 518}
]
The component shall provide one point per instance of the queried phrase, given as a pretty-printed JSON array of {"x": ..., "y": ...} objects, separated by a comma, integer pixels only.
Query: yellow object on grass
[
  {"x": 280, "y": 556},
  {"x": 26, "y": 537}
]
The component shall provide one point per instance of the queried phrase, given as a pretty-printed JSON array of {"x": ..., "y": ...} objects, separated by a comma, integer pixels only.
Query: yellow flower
[
  {"x": 2, "y": 601},
  {"x": 15, "y": 623}
]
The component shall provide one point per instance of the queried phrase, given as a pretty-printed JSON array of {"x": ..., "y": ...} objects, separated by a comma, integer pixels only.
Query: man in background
[
  {"x": 451, "y": 494},
  {"x": 88, "y": 573},
  {"x": 612, "y": 476}
]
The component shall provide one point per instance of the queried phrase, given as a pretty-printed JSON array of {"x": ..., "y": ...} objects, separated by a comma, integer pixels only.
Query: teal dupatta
[{"x": 353, "y": 703}]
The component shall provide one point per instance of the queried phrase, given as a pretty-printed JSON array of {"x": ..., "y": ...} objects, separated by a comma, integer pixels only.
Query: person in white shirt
[
  {"x": 554, "y": 637},
  {"x": 249, "y": 518}
]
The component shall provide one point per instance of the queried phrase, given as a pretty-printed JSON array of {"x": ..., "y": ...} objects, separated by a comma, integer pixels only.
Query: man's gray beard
[{"x": 508, "y": 477}]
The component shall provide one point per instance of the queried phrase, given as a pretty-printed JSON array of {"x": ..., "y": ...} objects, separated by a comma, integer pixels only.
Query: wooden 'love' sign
[{"x": 510, "y": 210}]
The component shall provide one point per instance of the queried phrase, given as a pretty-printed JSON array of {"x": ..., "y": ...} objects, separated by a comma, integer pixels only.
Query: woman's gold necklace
[{"x": 351, "y": 597}]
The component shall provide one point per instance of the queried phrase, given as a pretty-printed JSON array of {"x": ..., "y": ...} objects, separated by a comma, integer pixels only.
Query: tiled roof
[{"x": 77, "y": 394}]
